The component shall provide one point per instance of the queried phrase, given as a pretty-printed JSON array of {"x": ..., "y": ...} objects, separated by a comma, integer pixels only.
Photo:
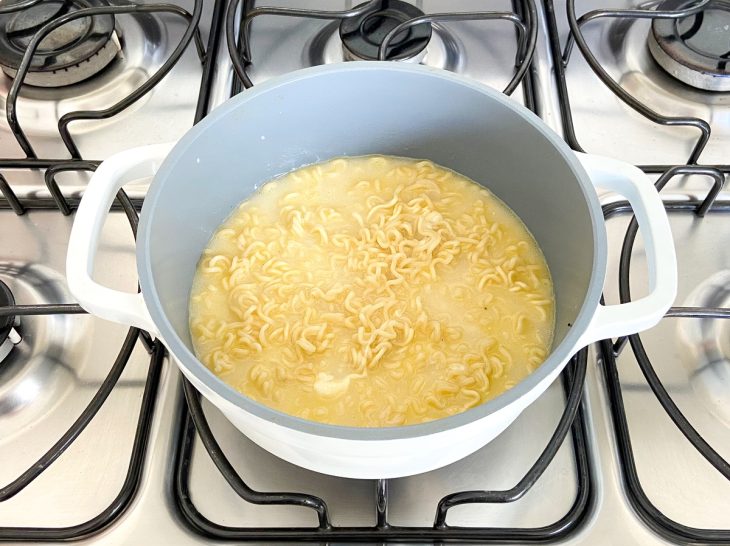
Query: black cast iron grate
[
  {"x": 51, "y": 167},
  {"x": 523, "y": 17},
  {"x": 649, "y": 513},
  {"x": 563, "y": 54},
  {"x": 609, "y": 350},
  {"x": 572, "y": 420}
]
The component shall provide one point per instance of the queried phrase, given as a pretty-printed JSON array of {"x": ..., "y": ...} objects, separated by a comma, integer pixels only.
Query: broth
[{"x": 372, "y": 291}]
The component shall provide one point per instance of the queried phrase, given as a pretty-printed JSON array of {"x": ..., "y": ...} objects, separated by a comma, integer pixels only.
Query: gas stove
[{"x": 102, "y": 442}]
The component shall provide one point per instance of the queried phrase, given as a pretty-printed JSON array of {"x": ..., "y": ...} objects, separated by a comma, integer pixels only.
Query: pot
[{"x": 363, "y": 108}]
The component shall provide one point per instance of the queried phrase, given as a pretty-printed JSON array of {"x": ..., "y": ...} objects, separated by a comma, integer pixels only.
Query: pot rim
[{"x": 188, "y": 360}]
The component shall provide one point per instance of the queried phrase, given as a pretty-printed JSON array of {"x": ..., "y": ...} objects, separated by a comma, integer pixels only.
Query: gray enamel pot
[{"x": 371, "y": 108}]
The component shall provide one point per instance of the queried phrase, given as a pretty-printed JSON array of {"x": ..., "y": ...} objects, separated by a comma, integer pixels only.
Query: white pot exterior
[
  {"x": 355, "y": 109},
  {"x": 375, "y": 459}
]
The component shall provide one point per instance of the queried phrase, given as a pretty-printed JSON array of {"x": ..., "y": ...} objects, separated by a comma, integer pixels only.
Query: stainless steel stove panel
[
  {"x": 675, "y": 476},
  {"x": 606, "y": 125},
  {"x": 41, "y": 397},
  {"x": 672, "y": 474},
  {"x": 162, "y": 115},
  {"x": 39, "y": 401},
  {"x": 282, "y": 44}
]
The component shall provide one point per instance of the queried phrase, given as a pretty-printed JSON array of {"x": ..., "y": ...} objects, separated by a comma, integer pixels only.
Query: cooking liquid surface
[{"x": 372, "y": 291}]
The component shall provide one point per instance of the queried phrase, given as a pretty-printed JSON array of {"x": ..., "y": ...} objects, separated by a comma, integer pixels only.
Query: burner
[
  {"x": 361, "y": 36},
  {"x": 9, "y": 336},
  {"x": 69, "y": 54},
  {"x": 707, "y": 345},
  {"x": 695, "y": 49},
  {"x": 38, "y": 371}
]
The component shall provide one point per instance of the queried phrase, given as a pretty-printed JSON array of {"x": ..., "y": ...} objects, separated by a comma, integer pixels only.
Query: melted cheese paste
[{"x": 372, "y": 291}]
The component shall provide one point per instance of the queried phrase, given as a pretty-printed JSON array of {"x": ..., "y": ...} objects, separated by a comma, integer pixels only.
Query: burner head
[
  {"x": 9, "y": 336},
  {"x": 694, "y": 49},
  {"x": 6, "y": 300},
  {"x": 69, "y": 54},
  {"x": 361, "y": 36}
]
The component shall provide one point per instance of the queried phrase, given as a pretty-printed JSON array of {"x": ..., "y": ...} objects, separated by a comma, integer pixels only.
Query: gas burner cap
[
  {"x": 705, "y": 345},
  {"x": 694, "y": 49},
  {"x": 69, "y": 54},
  {"x": 9, "y": 336},
  {"x": 361, "y": 36}
]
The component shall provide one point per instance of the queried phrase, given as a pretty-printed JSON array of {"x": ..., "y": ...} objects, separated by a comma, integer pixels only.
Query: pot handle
[
  {"x": 114, "y": 305},
  {"x": 627, "y": 180}
]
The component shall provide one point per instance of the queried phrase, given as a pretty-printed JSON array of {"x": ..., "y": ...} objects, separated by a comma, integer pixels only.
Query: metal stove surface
[
  {"x": 606, "y": 125},
  {"x": 51, "y": 376},
  {"x": 690, "y": 356},
  {"x": 162, "y": 115},
  {"x": 282, "y": 44},
  {"x": 677, "y": 479}
]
